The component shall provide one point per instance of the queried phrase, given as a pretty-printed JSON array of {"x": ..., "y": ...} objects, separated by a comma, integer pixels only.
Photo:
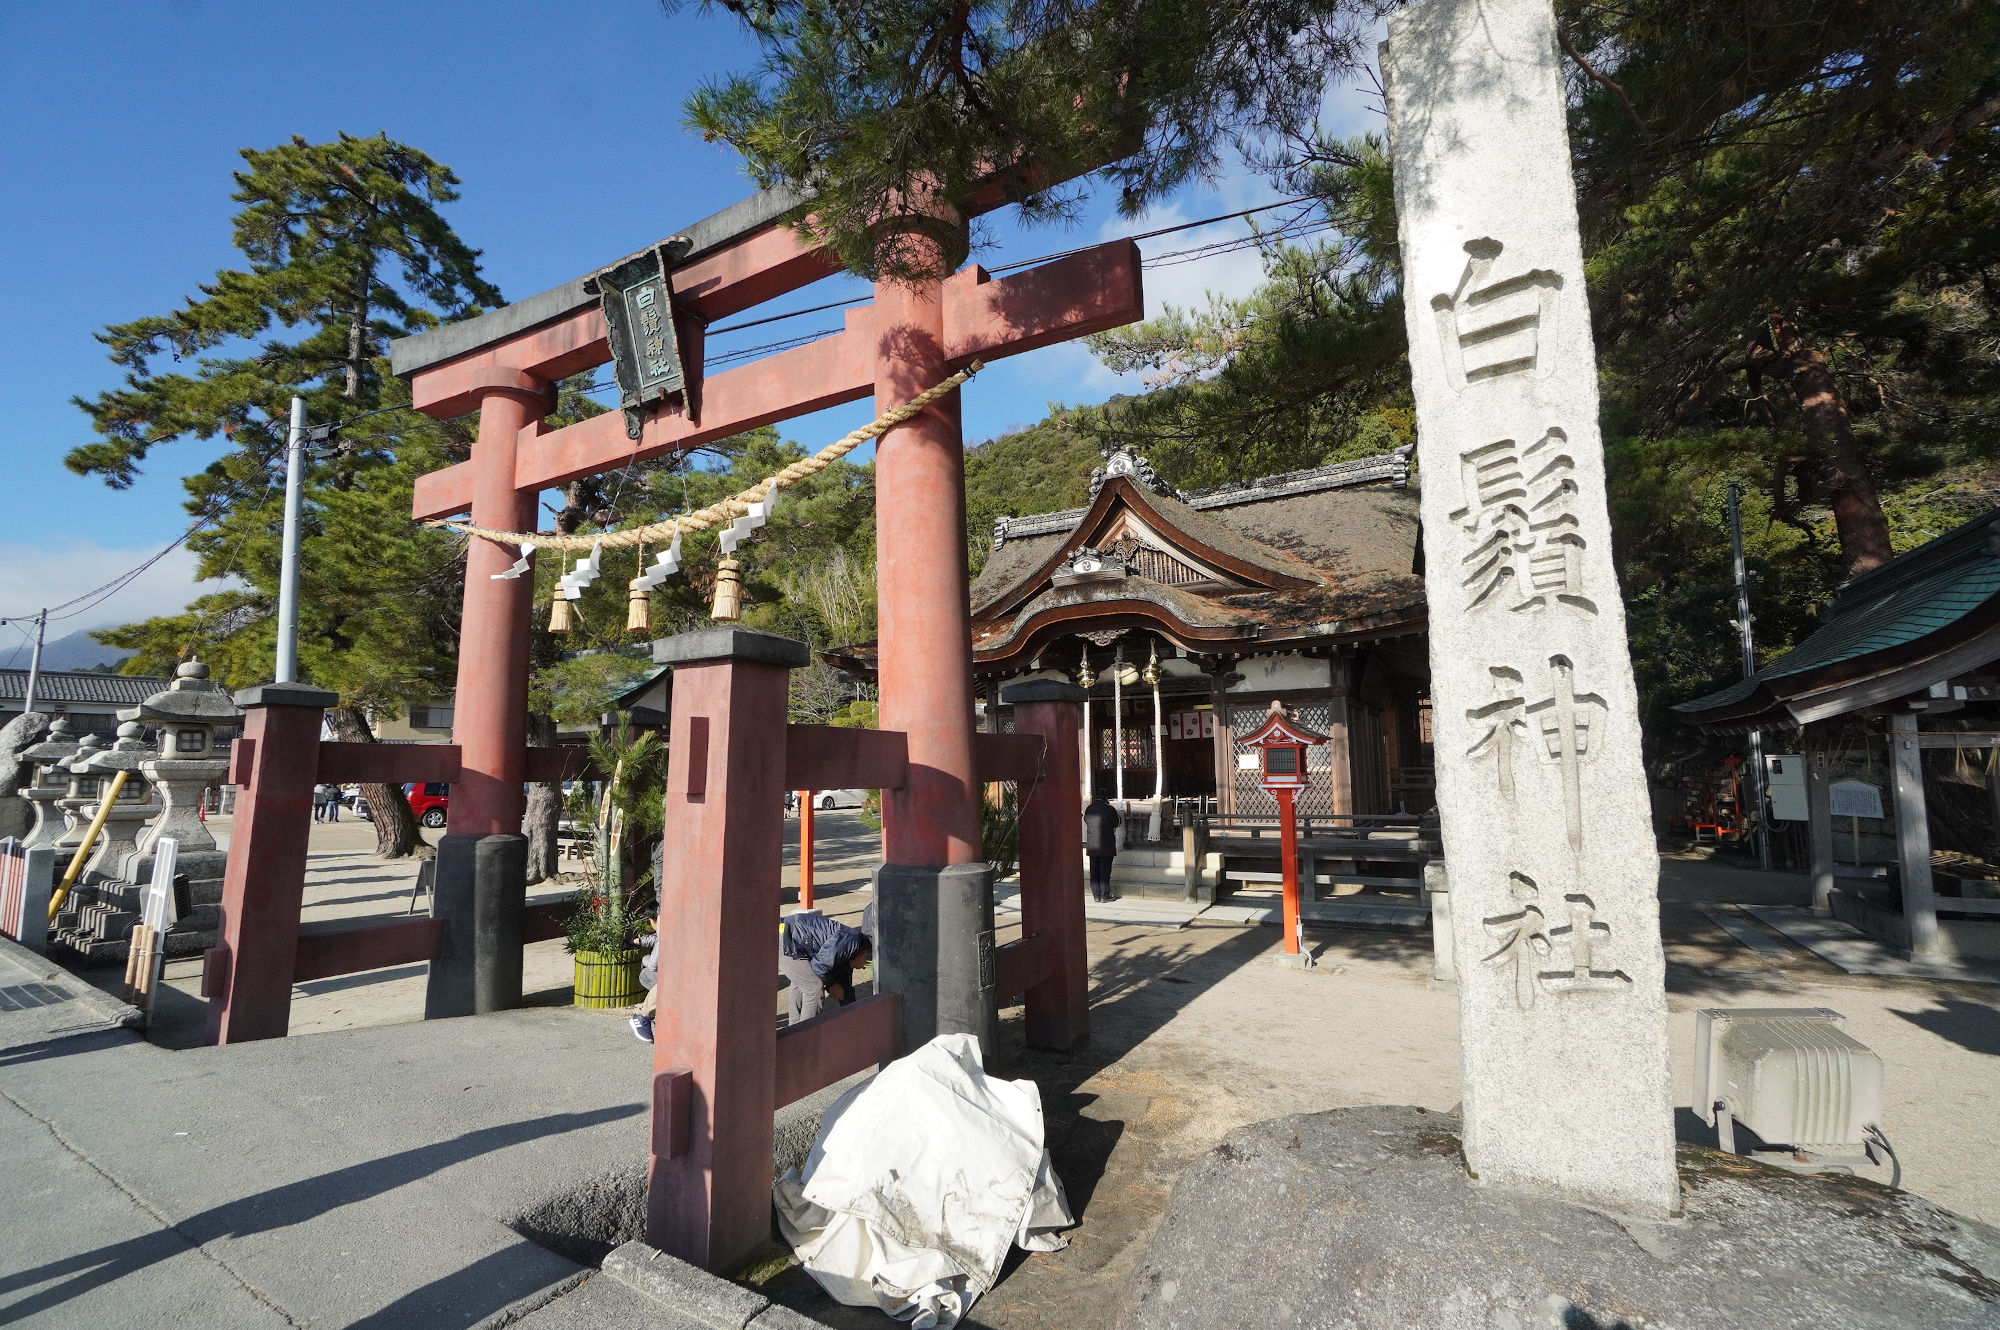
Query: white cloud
[{"x": 34, "y": 576}]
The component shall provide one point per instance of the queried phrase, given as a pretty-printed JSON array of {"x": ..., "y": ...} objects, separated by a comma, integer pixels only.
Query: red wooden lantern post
[
  {"x": 1284, "y": 745},
  {"x": 806, "y": 849}
]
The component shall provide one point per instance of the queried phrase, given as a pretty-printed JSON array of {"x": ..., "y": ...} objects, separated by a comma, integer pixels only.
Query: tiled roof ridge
[
  {"x": 81, "y": 685},
  {"x": 1392, "y": 466}
]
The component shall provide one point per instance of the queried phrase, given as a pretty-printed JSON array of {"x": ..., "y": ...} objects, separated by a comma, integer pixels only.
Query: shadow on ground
[{"x": 296, "y": 1203}]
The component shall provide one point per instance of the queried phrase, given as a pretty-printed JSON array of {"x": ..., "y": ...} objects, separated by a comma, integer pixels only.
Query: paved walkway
[{"x": 386, "y": 1176}]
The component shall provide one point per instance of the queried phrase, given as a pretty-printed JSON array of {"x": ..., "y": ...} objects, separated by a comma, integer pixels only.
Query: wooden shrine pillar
[
  {"x": 480, "y": 887},
  {"x": 934, "y": 889},
  {"x": 248, "y": 974},
  {"x": 1058, "y": 1008},
  {"x": 1819, "y": 827},
  {"x": 1341, "y": 705},
  {"x": 1913, "y": 837},
  {"x": 925, "y": 611},
  {"x": 708, "y": 1180}
]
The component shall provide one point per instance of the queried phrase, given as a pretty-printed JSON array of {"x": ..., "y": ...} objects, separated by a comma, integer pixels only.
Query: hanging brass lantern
[
  {"x": 1085, "y": 676},
  {"x": 1151, "y": 674}
]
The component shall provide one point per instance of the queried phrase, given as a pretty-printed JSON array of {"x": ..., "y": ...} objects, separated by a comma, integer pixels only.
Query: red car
[{"x": 430, "y": 800}]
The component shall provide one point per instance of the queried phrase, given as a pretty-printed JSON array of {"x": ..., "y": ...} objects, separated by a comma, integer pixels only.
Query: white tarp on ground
[{"x": 921, "y": 1180}]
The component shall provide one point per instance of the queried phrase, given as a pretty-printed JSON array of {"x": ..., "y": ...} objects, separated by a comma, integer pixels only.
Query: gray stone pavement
[{"x": 385, "y": 1175}]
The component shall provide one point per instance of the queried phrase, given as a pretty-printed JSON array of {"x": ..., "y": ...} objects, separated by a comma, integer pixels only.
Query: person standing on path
[
  {"x": 649, "y": 977},
  {"x": 1100, "y": 843},
  {"x": 320, "y": 792},
  {"x": 819, "y": 956}
]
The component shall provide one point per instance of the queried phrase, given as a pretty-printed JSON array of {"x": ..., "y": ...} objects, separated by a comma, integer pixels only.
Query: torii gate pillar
[
  {"x": 934, "y": 893},
  {"x": 482, "y": 866}
]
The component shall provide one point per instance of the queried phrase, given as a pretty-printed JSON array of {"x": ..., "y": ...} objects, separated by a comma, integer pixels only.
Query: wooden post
[
  {"x": 248, "y": 978},
  {"x": 1913, "y": 838},
  {"x": 1819, "y": 829},
  {"x": 1051, "y": 854},
  {"x": 806, "y": 849},
  {"x": 1993, "y": 787},
  {"x": 1288, "y": 831},
  {"x": 708, "y": 1190}
]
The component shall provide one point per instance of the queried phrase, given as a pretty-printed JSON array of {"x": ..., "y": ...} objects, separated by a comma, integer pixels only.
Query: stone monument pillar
[
  {"x": 1547, "y": 833},
  {"x": 49, "y": 785}
]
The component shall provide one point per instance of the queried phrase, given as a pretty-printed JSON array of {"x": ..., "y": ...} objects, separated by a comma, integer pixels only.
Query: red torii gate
[
  {"x": 719, "y": 1070},
  {"x": 504, "y": 365}
]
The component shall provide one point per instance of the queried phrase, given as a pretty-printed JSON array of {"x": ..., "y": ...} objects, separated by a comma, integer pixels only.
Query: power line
[{"x": 1057, "y": 254}]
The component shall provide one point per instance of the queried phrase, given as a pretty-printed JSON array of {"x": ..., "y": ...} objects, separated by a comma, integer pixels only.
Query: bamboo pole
[{"x": 89, "y": 839}]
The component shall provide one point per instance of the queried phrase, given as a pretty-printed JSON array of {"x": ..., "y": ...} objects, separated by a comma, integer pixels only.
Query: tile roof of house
[{"x": 80, "y": 686}]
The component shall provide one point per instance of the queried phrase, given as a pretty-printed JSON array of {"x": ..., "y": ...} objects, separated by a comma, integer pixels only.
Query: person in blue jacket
[{"x": 819, "y": 956}]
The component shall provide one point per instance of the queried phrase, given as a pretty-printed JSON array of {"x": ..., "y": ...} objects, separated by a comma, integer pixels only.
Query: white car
[{"x": 839, "y": 798}]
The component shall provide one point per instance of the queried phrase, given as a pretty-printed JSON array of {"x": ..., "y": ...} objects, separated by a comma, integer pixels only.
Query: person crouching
[{"x": 819, "y": 956}]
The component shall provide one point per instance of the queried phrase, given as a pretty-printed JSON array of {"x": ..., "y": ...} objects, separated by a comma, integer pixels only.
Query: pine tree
[
  {"x": 345, "y": 249},
  {"x": 864, "y": 102}
]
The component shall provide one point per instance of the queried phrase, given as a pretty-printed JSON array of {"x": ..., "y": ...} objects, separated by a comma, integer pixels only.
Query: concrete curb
[
  {"x": 689, "y": 1291},
  {"x": 534, "y": 1302},
  {"x": 36, "y": 968}
]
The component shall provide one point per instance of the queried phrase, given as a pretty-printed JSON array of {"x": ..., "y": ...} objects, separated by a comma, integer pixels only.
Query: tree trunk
[
  {"x": 396, "y": 834},
  {"x": 544, "y": 807},
  {"x": 1842, "y": 469}
]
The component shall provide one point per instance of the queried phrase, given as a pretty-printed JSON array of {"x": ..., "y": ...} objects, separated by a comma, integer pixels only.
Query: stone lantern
[
  {"x": 50, "y": 782},
  {"x": 138, "y": 802},
  {"x": 187, "y": 712},
  {"x": 98, "y": 916},
  {"x": 79, "y": 801}
]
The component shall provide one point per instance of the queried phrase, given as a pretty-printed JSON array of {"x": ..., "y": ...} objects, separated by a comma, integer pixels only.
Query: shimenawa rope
[{"x": 728, "y": 510}]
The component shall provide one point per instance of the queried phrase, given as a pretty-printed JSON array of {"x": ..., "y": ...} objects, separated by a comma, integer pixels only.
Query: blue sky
[{"x": 563, "y": 122}]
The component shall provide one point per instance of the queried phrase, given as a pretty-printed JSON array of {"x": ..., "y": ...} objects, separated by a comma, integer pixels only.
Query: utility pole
[
  {"x": 1743, "y": 636},
  {"x": 288, "y": 574},
  {"x": 35, "y": 663}
]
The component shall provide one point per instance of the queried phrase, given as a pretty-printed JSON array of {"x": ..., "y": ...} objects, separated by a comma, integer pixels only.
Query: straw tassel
[
  {"x": 559, "y": 606},
  {"x": 639, "y": 611},
  {"x": 728, "y": 591}
]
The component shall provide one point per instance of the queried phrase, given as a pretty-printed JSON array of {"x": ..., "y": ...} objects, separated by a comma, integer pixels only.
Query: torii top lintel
[{"x": 748, "y": 257}]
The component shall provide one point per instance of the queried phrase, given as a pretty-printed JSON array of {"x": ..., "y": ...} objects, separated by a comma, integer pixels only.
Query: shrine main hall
[{"x": 1186, "y": 614}]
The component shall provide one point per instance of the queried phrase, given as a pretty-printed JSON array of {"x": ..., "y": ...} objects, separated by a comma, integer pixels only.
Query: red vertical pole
[
  {"x": 806, "y": 849},
  {"x": 1058, "y": 1008},
  {"x": 481, "y": 883},
  {"x": 1289, "y": 833},
  {"x": 708, "y": 1192},
  {"x": 248, "y": 977},
  {"x": 490, "y": 716},
  {"x": 924, "y": 615}
]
